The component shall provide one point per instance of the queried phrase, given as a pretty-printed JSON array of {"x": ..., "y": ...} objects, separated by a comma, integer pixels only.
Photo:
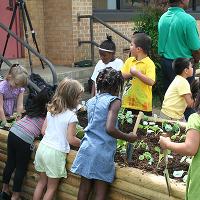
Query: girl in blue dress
[{"x": 95, "y": 159}]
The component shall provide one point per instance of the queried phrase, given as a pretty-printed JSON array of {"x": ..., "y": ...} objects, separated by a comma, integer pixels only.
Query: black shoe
[{"x": 5, "y": 196}]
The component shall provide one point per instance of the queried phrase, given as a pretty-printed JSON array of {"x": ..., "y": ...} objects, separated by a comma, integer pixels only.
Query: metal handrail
[
  {"x": 30, "y": 83},
  {"x": 39, "y": 55},
  {"x": 92, "y": 42}
]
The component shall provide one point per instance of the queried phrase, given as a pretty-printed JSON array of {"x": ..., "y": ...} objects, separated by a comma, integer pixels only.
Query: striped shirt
[{"x": 28, "y": 128}]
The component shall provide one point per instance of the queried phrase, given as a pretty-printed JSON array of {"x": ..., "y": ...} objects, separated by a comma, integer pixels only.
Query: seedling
[
  {"x": 121, "y": 146},
  {"x": 142, "y": 145},
  {"x": 160, "y": 157},
  {"x": 151, "y": 127},
  {"x": 125, "y": 117},
  {"x": 147, "y": 155}
]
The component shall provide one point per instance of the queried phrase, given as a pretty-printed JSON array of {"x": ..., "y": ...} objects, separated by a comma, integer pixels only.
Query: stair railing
[
  {"x": 39, "y": 55},
  {"x": 92, "y": 43}
]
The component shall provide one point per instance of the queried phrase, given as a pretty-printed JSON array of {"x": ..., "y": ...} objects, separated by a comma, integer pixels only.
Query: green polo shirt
[{"x": 178, "y": 34}]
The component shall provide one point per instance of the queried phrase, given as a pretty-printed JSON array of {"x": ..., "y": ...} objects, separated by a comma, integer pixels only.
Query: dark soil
[{"x": 152, "y": 141}]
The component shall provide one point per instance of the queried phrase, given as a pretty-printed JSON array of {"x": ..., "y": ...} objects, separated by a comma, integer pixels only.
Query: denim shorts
[{"x": 50, "y": 161}]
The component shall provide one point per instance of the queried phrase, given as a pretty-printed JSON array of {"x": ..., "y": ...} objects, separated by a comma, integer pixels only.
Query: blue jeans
[{"x": 168, "y": 77}]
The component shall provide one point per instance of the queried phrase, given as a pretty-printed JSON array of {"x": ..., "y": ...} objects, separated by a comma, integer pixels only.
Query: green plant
[
  {"x": 146, "y": 155},
  {"x": 160, "y": 156},
  {"x": 142, "y": 145},
  {"x": 125, "y": 116},
  {"x": 172, "y": 129},
  {"x": 151, "y": 127},
  {"x": 121, "y": 146}
]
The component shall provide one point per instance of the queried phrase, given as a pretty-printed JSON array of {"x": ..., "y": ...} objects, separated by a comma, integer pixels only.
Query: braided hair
[
  {"x": 108, "y": 44},
  {"x": 110, "y": 80}
]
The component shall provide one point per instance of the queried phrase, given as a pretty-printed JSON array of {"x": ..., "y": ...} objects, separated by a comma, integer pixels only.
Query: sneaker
[{"x": 5, "y": 196}]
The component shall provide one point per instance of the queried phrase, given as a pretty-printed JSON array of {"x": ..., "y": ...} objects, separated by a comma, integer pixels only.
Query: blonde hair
[
  {"x": 18, "y": 75},
  {"x": 66, "y": 96}
]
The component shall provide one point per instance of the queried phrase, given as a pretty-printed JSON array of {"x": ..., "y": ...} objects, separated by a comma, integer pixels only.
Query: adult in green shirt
[{"x": 178, "y": 37}]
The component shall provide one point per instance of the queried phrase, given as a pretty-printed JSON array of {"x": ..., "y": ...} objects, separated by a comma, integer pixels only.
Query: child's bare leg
[
  {"x": 84, "y": 188},
  {"x": 5, "y": 188},
  {"x": 15, "y": 196},
  {"x": 41, "y": 185},
  {"x": 52, "y": 185},
  {"x": 100, "y": 189}
]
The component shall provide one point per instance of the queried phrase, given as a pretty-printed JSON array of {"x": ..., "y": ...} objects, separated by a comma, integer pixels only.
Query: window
[{"x": 134, "y": 4}]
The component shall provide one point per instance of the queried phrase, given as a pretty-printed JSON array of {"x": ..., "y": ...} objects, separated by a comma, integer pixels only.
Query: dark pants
[
  {"x": 18, "y": 156},
  {"x": 168, "y": 77}
]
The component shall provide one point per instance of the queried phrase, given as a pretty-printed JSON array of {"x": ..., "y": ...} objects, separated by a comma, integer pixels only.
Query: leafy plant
[
  {"x": 151, "y": 127},
  {"x": 160, "y": 156},
  {"x": 121, "y": 146},
  {"x": 147, "y": 155},
  {"x": 172, "y": 129},
  {"x": 124, "y": 116},
  {"x": 142, "y": 145}
]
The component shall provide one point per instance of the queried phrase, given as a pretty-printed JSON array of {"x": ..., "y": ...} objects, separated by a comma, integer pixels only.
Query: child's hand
[
  {"x": 164, "y": 141},
  {"x": 133, "y": 71},
  {"x": 131, "y": 137}
]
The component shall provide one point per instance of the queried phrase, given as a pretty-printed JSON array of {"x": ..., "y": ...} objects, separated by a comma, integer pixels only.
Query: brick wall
[
  {"x": 35, "y": 9},
  {"x": 58, "y": 30},
  {"x": 81, "y": 29}
]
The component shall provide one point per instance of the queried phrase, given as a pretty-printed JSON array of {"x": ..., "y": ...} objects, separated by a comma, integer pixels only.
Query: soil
[{"x": 174, "y": 163}]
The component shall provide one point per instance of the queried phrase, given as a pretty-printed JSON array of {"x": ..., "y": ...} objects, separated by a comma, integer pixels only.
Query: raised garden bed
[
  {"x": 136, "y": 180},
  {"x": 147, "y": 154}
]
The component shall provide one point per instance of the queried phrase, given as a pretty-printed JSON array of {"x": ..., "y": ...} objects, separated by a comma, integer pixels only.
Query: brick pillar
[
  {"x": 81, "y": 29},
  {"x": 58, "y": 31},
  {"x": 35, "y": 9}
]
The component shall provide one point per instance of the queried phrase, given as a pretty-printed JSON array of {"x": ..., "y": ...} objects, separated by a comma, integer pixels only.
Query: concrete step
[{"x": 79, "y": 73}]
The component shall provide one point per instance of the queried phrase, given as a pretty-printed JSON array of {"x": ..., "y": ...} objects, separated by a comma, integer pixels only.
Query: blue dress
[{"x": 95, "y": 158}]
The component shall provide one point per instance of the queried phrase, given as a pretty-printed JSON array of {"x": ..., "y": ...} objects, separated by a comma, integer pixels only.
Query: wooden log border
[{"x": 130, "y": 183}]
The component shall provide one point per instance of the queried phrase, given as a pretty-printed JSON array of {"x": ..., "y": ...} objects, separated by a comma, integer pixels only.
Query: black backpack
[{"x": 41, "y": 83}]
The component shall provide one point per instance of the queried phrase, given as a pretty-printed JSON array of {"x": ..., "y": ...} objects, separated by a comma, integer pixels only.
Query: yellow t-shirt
[
  {"x": 174, "y": 103},
  {"x": 139, "y": 95}
]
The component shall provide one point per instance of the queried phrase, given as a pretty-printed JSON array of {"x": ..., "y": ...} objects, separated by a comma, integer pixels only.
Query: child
[
  {"x": 12, "y": 91},
  {"x": 191, "y": 147},
  {"x": 141, "y": 69},
  {"x": 107, "y": 51},
  {"x": 59, "y": 131},
  {"x": 95, "y": 159},
  {"x": 178, "y": 96},
  {"x": 20, "y": 143}
]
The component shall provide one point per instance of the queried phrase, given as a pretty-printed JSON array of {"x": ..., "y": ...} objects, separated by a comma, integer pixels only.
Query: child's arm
[
  {"x": 2, "y": 114},
  {"x": 141, "y": 76},
  {"x": 127, "y": 75},
  {"x": 71, "y": 135},
  {"x": 44, "y": 126},
  {"x": 188, "y": 148},
  {"x": 111, "y": 122},
  {"x": 93, "y": 91},
  {"x": 20, "y": 107},
  {"x": 189, "y": 100}
]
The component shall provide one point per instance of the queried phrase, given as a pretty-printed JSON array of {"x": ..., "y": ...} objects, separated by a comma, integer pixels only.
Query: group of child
[{"x": 56, "y": 119}]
